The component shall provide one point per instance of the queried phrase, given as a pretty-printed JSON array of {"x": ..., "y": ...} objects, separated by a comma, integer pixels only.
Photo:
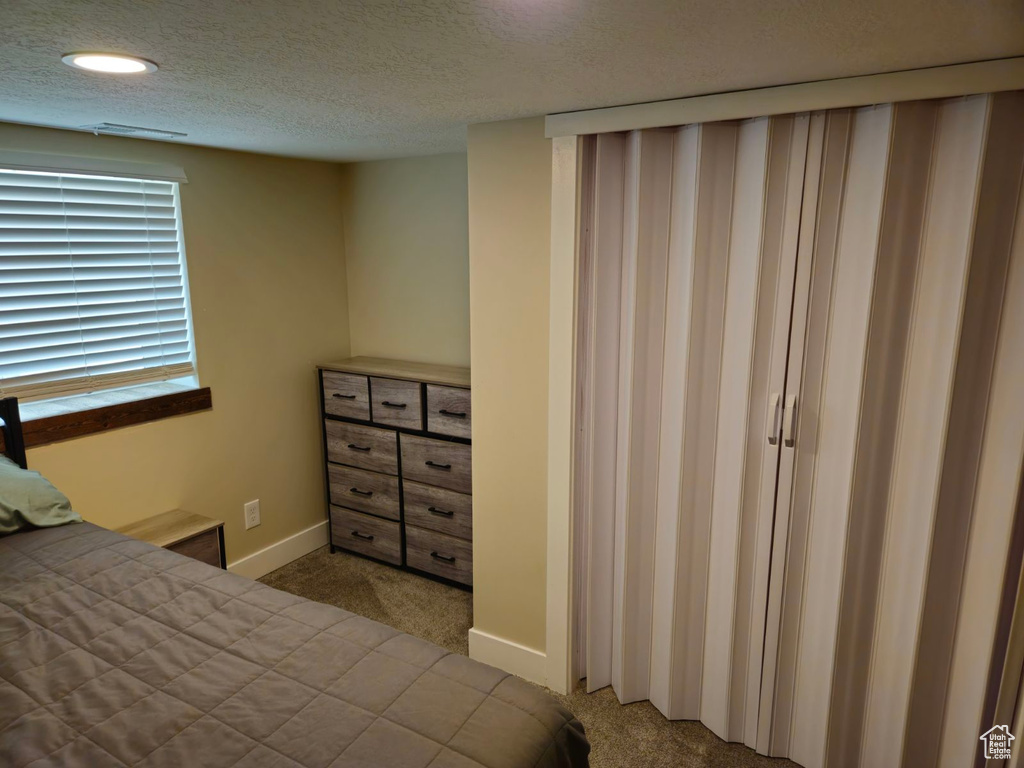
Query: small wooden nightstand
[{"x": 186, "y": 533}]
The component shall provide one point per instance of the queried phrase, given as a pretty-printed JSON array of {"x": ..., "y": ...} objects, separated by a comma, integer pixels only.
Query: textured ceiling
[{"x": 358, "y": 79}]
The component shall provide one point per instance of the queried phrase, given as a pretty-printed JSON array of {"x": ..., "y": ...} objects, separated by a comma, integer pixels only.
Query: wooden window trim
[{"x": 66, "y": 426}]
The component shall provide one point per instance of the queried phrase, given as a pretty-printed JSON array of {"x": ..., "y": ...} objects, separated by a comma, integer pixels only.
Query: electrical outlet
[{"x": 252, "y": 514}]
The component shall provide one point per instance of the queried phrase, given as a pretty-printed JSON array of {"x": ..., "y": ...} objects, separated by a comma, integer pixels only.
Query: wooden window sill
[{"x": 66, "y": 426}]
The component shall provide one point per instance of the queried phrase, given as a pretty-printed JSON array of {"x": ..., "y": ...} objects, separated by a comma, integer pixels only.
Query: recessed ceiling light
[{"x": 113, "y": 63}]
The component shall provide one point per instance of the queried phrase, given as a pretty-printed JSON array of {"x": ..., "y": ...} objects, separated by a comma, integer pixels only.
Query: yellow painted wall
[
  {"x": 267, "y": 277},
  {"x": 509, "y": 263},
  {"x": 407, "y": 256}
]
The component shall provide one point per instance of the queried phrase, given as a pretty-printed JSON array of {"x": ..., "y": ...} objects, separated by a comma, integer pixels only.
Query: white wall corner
[
  {"x": 527, "y": 663},
  {"x": 282, "y": 552}
]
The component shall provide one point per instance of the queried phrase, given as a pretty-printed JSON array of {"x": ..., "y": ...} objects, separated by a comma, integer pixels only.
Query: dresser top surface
[{"x": 450, "y": 375}]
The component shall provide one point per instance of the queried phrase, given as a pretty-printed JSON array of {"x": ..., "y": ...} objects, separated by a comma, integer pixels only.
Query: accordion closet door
[{"x": 798, "y": 457}]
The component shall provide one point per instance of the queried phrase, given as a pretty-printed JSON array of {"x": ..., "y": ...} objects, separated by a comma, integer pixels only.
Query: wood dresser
[{"x": 397, "y": 464}]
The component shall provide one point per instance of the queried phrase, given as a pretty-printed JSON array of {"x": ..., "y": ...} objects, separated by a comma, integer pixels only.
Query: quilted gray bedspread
[{"x": 116, "y": 653}]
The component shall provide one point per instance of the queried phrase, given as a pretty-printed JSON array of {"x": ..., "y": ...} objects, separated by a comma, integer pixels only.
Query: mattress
[{"x": 117, "y": 653}]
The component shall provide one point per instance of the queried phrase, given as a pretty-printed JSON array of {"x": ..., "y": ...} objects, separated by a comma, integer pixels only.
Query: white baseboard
[
  {"x": 527, "y": 663},
  {"x": 281, "y": 553}
]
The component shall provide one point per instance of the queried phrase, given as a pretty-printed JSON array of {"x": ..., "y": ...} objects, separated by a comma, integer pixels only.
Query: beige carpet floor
[{"x": 632, "y": 735}]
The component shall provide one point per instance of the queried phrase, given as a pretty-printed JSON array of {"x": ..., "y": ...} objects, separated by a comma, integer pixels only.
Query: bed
[{"x": 116, "y": 653}]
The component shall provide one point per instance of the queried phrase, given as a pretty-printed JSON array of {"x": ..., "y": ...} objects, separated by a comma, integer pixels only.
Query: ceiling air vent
[{"x": 132, "y": 130}]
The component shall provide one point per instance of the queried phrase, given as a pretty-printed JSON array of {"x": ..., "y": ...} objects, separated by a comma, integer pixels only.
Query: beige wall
[
  {"x": 407, "y": 256},
  {"x": 509, "y": 248},
  {"x": 268, "y": 287}
]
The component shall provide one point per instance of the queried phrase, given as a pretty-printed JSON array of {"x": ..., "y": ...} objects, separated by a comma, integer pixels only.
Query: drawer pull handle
[
  {"x": 357, "y": 492},
  {"x": 362, "y": 536},
  {"x": 445, "y": 467},
  {"x": 442, "y": 558},
  {"x": 343, "y": 397},
  {"x": 386, "y": 404},
  {"x": 443, "y": 512},
  {"x": 354, "y": 447},
  {"x": 453, "y": 414}
]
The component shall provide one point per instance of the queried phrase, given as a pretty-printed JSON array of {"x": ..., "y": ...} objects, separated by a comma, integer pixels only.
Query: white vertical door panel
[
  {"x": 775, "y": 703},
  {"x": 644, "y": 325},
  {"x": 718, "y": 690},
  {"x": 624, "y": 409},
  {"x": 583, "y": 406},
  {"x": 997, "y": 499},
  {"x": 847, "y": 325},
  {"x": 687, "y": 471},
  {"x": 783, "y": 192},
  {"x": 937, "y": 311},
  {"x": 669, "y": 673},
  {"x": 825, "y": 184},
  {"x": 606, "y": 271},
  {"x": 910, "y": 152}
]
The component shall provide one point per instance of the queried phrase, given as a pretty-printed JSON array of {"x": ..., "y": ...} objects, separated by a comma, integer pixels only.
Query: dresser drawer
[
  {"x": 366, "y": 535},
  {"x": 438, "y": 509},
  {"x": 396, "y": 403},
  {"x": 364, "y": 491},
  {"x": 439, "y": 554},
  {"x": 363, "y": 447},
  {"x": 347, "y": 395},
  {"x": 437, "y": 462},
  {"x": 205, "y": 548},
  {"x": 449, "y": 411}
]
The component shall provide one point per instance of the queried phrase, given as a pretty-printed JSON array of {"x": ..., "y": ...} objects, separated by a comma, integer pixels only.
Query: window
[{"x": 93, "y": 287}]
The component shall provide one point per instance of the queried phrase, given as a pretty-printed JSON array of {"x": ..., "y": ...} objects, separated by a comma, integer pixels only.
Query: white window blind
[{"x": 93, "y": 287}]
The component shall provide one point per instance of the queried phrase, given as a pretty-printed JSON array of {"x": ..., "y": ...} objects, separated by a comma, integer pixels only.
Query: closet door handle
[
  {"x": 442, "y": 558},
  {"x": 443, "y": 512},
  {"x": 453, "y": 414},
  {"x": 363, "y": 448},
  {"x": 445, "y": 467},
  {"x": 773, "y": 418},
  {"x": 357, "y": 492},
  {"x": 386, "y": 404},
  {"x": 343, "y": 397},
  {"x": 787, "y": 421},
  {"x": 362, "y": 536}
]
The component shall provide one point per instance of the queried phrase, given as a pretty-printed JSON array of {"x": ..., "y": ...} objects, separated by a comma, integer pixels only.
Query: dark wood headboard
[{"x": 10, "y": 428}]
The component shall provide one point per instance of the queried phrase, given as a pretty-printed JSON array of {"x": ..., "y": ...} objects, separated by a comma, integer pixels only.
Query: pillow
[{"x": 29, "y": 500}]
